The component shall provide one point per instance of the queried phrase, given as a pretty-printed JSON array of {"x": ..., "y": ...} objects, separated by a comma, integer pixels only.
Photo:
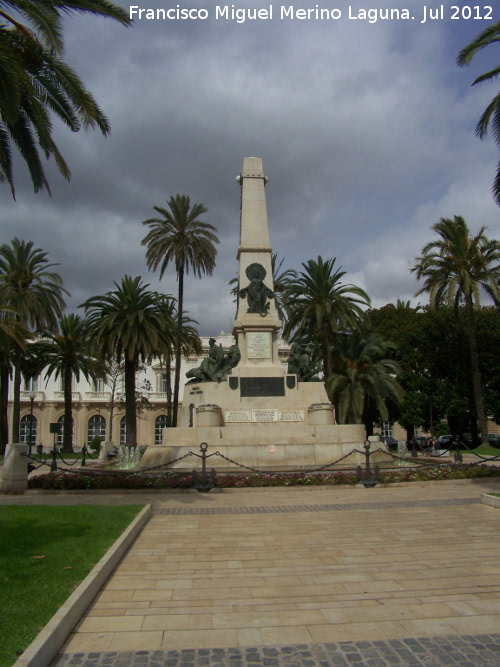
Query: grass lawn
[
  {"x": 485, "y": 450},
  {"x": 46, "y": 552}
]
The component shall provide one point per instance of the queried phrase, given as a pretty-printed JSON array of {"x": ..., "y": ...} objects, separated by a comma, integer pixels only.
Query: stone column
[{"x": 256, "y": 332}]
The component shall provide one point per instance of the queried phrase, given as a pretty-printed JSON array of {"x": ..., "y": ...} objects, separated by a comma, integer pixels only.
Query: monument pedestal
[{"x": 258, "y": 414}]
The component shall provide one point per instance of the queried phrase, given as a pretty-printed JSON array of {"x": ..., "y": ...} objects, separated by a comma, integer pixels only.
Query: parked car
[
  {"x": 444, "y": 442},
  {"x": 494, "y": 440},
  {"x": 391, "y": 442}
]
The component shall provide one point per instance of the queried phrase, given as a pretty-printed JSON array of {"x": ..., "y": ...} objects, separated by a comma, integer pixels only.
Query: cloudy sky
[{"x": 366, "y": 131}]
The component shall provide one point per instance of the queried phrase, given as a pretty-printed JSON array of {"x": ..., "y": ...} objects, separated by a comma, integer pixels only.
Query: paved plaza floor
[{"x": 407, "y": 575}]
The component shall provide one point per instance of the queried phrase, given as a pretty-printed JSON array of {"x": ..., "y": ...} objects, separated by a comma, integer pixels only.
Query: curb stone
[
  {"x": 488, "y": 499},
  {"x": 45, "y": 646}
]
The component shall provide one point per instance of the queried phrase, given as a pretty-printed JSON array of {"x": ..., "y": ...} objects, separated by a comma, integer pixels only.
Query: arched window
[
  {"x": 161, "y": 422},
  {"x": 27, "y": 430},
  {"x": 123, "y": 431},
  {"x": 97, "y": 426},
  {"x": 59, "y": 436}
]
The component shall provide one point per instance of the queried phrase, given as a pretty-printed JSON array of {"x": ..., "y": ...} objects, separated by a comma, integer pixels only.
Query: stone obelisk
[{"x": 256, "y": 325}]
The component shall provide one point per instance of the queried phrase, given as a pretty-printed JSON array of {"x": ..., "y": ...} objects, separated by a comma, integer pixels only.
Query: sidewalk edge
[{"x": 46, "y": 645}]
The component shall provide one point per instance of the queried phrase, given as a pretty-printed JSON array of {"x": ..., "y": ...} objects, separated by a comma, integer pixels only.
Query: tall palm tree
[
  {"x": 490, "y": 35},
  {"x": 362, "y": 370},
  {"x": 131, "y": 324},
  {"x": 12, "y": 332},
  {"x": 179, "y": 236},
  {"x": 455, "y": 266},
  {"x": 67, "y": 354},
  {"x": 320, "y": 306},
  {"x": 35, "y": 292},
  {"x": 36, "y": 83}
]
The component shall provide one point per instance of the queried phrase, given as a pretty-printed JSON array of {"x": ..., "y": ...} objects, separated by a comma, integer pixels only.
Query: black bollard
[
  {"x": 53, "y": 465},
  {"x": 368, "y": 481}
]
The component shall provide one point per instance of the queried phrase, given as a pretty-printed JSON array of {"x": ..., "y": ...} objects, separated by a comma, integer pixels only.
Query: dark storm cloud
[{"x": 366, "y": 132}]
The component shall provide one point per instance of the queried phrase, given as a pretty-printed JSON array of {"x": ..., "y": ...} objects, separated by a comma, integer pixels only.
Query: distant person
[{"x": 431, "y": 446}]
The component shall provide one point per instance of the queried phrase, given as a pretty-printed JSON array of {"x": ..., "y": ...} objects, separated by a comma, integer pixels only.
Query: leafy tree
[
  {"x": 490, "y": 35},
  {"x": 362, "y": 370},
  {"x": 35, "y": 292},
  {"x": 67, "y": 355},
  {"x": 454, "y": 267},
  {"x": 35, "y": 83},
  {"x": 179, "y": 236},
  {"x": 320, "y": 306},
  {"x": 130, "y": 323}
]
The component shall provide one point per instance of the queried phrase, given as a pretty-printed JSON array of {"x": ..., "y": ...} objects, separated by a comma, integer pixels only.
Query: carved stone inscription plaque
[
  {"x": 265, "y": 415},
  {"x": 238, "y": 416},
  {"x": 258, "y": 345},
  {"x": 291, "y": 416}
]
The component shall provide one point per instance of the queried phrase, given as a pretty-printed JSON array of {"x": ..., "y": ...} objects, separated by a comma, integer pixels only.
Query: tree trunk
[
  {"x": 67, "y": 439},
  {"x": 177, "y": 377},
  {"x": 130, "y": 412},
  {"x": 16, "y": 412},
  {"x": 4, "y": 404},
  {"x": 325, "y": 350},
  {"x": 169, "y": 388},
  {"x": 476, "y": 375}
]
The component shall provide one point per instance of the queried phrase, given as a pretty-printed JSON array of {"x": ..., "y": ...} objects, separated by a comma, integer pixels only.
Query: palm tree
[
  {"x": 36, "y": 294},
  {"x": 130, "y": 324},
  {"x": 492, "y": 112},
  {"x": 180, "y": 237},
  {"x": 454, "y": 267},
  {"x": 320, "y": 306},
  {"x": 281, "y": 281},
  {"x": 36, "y": 83},
  {"x": 67, "y": 354},
  {"x": 12, "y": 332},
  {"x": 362, "y": 370}
]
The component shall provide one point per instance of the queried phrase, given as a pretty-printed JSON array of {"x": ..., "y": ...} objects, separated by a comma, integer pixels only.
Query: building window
[
  {"x": 98, "y": 385},
  {"x": 123, "y": 431},
  {"x": 160, "y": 423},
  {"x": 386, "y": 430},
  {"x": 59, "y": 434},
  {"x": 163, "y": 383},
  {"x": 26, "y": 429},
  {"x": 97, "y": 427},
  {"x": 30, "y": 385}
]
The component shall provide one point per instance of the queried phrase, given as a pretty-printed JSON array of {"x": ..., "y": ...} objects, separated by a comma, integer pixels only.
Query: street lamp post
[{"x": 31, "y": 396}]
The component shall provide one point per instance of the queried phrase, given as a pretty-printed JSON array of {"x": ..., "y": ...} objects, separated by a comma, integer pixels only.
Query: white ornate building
[{"x": 91, "y": 403}]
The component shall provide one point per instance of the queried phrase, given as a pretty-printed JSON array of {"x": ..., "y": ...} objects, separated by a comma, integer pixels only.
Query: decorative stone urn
[
  {"x": 321, "y": 414},
  {"x": 208, "y": 415}
]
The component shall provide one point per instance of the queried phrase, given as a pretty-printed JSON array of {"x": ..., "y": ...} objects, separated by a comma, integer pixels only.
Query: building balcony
[
  {"x": 40, "y": 396},
  {"x": 75, "y": 396},
  {"x": 98, "y": 396},
  {"x": 158, "y": 396}
]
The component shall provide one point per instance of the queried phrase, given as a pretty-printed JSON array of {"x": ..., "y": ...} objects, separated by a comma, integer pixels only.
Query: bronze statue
[
  {"x": 257, "y": 294},
  {"x": 216, "y": 366},
  {"x": 299, "y": 364}
]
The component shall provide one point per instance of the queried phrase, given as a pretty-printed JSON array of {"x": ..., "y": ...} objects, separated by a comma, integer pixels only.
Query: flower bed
[{"x": 72, "y": 479}]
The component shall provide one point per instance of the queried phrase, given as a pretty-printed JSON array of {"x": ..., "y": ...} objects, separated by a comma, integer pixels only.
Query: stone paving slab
[
  {"x": 312, "y": 577},
  {"x": 299, "y": 576}
]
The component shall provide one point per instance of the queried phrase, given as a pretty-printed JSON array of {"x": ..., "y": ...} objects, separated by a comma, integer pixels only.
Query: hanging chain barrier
[
  {"x": 53, "y": 455},
  {"x": 206, "y": 482},
  {"x": 479, "y": 456}
]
